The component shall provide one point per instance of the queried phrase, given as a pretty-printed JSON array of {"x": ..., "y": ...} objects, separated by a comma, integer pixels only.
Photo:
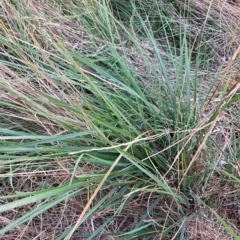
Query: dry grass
[
  {"x": 201, "y": 228},
  {"x": 204, "y": 224}
]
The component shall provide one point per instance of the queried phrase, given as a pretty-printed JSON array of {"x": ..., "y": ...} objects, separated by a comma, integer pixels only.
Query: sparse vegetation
[{"x": 119, "y": 119}]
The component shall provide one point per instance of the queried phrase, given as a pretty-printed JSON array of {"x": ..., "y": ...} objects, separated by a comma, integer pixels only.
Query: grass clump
[{"x": 117, "y": 122}]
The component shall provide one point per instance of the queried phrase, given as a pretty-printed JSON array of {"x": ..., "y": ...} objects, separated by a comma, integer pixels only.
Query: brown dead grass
[
  {"x": 199, "y": 228},
  {"x": 204, "y": 224}
]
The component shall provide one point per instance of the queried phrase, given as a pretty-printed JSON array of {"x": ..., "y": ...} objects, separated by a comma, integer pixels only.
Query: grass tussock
[{"x": 119, "y": 119}]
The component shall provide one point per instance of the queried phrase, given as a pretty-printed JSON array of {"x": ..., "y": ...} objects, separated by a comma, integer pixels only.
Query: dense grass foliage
[{"x": 118, "y": 120}]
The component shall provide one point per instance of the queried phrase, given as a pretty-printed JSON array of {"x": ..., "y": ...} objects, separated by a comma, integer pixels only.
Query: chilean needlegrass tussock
[{"x": 114, "y": 117}]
